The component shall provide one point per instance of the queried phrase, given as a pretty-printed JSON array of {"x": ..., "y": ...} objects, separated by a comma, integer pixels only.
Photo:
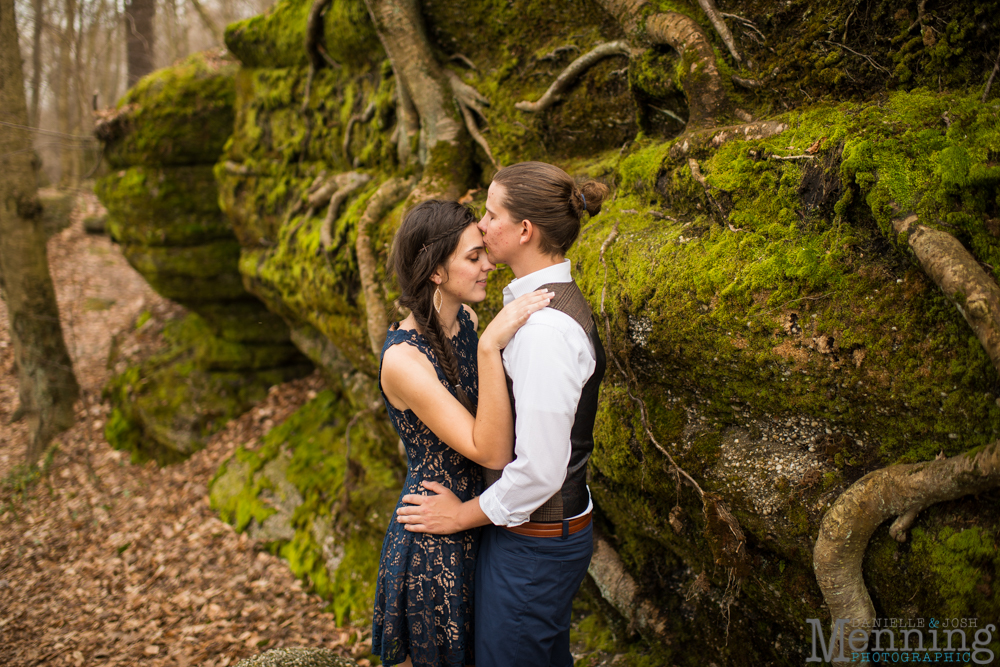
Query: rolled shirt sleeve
[{"x": 549, "y": 360}]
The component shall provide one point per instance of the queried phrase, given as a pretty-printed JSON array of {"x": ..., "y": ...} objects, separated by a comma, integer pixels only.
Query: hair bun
[{"x": 593, "y": 194}]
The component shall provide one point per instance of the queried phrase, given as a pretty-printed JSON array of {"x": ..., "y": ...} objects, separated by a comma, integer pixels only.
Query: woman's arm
[{"x": 409, "y": 377}]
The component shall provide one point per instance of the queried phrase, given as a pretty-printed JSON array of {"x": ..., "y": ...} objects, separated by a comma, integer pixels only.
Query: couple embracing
[{"x": 492, "y": 534}]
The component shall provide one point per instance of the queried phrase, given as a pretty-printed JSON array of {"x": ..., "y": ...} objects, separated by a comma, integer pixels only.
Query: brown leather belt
[{"x": 562, "y": 528}]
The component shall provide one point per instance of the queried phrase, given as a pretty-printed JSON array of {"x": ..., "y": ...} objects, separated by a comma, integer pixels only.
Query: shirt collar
[{"x": 557, "y": 273}]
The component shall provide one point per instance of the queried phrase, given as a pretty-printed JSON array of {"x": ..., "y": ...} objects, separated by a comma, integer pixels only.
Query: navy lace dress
[{"x": 424, "y": 595}]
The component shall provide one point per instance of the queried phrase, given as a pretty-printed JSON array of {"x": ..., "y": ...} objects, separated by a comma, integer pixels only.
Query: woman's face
[
  {"x": 501, "y": 232},
  {"x": 465, "y": 271}
]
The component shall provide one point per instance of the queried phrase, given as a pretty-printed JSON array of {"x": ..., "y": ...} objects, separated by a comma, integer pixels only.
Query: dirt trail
[{"x": 104, "y": 562}]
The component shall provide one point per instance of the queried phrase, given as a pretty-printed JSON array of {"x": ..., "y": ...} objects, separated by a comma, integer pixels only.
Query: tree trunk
[
  {"x": 422, "y": 80},
  {"x": 139, "y": 38},
  {"x": 36, "y": 61},
  {"x": 64, "y": 107},
  {"x": 48, "y": 387}
]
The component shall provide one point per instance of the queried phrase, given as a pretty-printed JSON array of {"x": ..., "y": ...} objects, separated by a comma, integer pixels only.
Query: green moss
[
  {"x": 179, "y": 115},
  {"x": 163, "y": 206},
  {"x": 337, "y": 534},
  {"x": 166, "y": 407}
]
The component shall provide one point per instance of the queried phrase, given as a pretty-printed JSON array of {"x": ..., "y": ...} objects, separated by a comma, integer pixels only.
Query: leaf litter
[{"x": 103, "y": 562}]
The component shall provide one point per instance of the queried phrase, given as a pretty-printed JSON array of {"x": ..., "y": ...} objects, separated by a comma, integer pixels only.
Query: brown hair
[
  {"x": 428, "y": 235},
  {"x": 550, "y": 198}
]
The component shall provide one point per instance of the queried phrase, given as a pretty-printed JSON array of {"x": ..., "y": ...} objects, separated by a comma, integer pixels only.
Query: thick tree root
[
  {"x": 388, "y": 195},
  {"x": 957, "y": 273},
  {"x": 346, "y": 184},
  {"x": 621, "y": 590},
  {"x": 902, "y": 491},
  {"x": 700, "y": 77},
  {"x": 572, "y": 72}
]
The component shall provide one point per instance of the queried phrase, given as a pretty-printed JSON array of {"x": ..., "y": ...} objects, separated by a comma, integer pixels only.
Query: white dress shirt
[{"x": 549, "y": 361}]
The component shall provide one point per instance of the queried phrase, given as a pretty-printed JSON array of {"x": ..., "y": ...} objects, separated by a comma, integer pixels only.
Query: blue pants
[{"x": 524, "y": 597}]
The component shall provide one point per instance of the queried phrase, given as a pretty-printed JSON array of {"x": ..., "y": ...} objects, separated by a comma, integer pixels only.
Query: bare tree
[
  {"x": 48, "y": 387},
  {"x": 36, "y": 60},
  {"x": 139, "y": 38}
]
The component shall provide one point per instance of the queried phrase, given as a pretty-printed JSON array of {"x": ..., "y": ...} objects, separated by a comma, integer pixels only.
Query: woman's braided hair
[{"x": 428, "y": 236}]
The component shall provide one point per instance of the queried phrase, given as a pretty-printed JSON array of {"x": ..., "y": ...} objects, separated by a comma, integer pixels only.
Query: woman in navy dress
[{"x": 434, "y": 375}]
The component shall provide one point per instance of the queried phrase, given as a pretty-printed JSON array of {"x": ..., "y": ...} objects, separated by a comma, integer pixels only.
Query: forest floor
[{"x": 105, "y": 562}]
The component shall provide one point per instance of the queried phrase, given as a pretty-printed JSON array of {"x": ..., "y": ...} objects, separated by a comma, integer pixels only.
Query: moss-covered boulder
[
  {"x": 163, "y": 208},
  {"x": 179, "y": 115},
  {"x": 166, "y": 405},
  {"x": 768, "y": 332},
  {"x": 320, "y": 490}
]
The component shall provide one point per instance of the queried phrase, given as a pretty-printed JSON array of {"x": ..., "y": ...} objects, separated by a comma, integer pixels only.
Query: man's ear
[{"x": 527, "y": 232}]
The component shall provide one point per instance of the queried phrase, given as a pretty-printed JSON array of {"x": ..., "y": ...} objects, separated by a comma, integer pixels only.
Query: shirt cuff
[{"x": 497, "y": 513}]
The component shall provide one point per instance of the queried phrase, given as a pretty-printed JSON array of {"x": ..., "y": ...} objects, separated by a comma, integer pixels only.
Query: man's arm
[{"x": 441, "y": 513}]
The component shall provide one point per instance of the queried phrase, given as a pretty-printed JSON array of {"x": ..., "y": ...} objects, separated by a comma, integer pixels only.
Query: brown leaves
[{"x": 104, "y": 562}]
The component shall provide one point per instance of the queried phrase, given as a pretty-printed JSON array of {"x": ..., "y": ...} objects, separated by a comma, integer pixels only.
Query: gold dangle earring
[{"x": 438, "y": 299}]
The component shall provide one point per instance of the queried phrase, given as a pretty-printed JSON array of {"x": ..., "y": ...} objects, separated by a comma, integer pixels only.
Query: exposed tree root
[
  {"x": 314, "y": 48},
  {"x": 700, "y": 78},
  {"x": 712, "y": 12},
  {"x": 400, "y": 27},
  {"x": 407, "y": 123},
  {"x": 621, "y": 590},
  {"x": 901, "y": 491},
  {"x": 363, "y": 117},
  {"x": 388, "y": 195},
  {"x": 346, "y": 184},
  {"x": 904, "y": 491},
  {"x": 957, "y": 273},
  {"x": 469, "y": 99},
  {"x": 993, "y": 75},
  {"x": 572, "y": 73}
]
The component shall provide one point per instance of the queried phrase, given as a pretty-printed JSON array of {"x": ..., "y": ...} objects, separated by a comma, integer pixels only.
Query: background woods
[
  {"x": 795, "y": 279},
  {"x": 82, "y": 55}
]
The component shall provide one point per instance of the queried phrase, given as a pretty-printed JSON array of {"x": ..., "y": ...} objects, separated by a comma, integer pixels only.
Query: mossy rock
[
  {"x": 297, "y": 657},
  {"x": 277, "y": 38},
  {"x": 171, "y": 411},
  {"x": 179, "y": 115},
  {"x": 190, "y": 274},
  {"x": 167, "y": 406},
  {"x": 330, "y": 536},
  {"x": 163, "y": 206},
  {"x": 244, "y": 321}
]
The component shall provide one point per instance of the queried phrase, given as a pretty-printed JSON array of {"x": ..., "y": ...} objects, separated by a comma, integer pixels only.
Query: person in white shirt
[{"x": 538, "y": 541}]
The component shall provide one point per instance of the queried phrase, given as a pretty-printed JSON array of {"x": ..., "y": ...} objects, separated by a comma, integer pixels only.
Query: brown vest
[{"x": 572, "y": 499}]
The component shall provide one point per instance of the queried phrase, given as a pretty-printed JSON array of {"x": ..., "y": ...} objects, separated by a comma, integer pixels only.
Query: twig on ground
[{"x": 870, "y": 60}]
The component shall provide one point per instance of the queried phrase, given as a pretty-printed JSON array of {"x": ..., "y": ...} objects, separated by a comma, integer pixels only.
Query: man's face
[{"x": 501, "y": 233}]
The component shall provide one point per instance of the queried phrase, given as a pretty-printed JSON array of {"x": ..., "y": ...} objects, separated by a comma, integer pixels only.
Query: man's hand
[{"x": 437, "y": 512}]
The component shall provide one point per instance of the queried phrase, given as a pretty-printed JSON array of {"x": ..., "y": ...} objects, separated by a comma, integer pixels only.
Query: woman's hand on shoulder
[{"x": 513, "y": 316}]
